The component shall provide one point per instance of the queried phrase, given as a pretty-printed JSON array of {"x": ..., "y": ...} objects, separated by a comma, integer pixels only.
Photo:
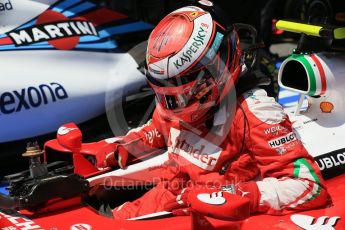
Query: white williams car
[{"x": 59, "y": 61}]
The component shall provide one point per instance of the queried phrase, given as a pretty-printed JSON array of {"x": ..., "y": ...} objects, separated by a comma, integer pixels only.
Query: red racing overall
[{"x": 267, "y": 162}]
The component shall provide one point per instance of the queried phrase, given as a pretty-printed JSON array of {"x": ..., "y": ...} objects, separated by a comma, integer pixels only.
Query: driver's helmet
[{"x": 192, "y": 62}]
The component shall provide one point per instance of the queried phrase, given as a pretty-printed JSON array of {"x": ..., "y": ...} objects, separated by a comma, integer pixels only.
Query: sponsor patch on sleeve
[{"x": 283, "y": 140}]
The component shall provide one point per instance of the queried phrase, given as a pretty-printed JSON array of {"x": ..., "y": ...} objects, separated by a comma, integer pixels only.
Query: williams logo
[
  {"x": 6, "y": 6},
  {"x": 31, "y": 97}
]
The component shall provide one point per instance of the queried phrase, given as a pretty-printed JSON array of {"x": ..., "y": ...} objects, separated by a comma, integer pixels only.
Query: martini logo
[
  {"x": 31, "y": 97},
  {"x": 6, "y": 6},
  {"x": 54, "y": 27}
]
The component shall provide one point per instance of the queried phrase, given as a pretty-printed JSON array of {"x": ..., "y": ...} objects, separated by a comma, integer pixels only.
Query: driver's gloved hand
[
  {"x": 223, "y": 203},
  {"x": 117, "y": 158}
]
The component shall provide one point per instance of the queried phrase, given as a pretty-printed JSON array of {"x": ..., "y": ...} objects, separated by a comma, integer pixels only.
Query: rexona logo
[
  {"x": 308, "y": 222},
  {"x": 60, "y": 31},
  {"x": 5, "y": 6},
  {"x": 31, "y": 97}
]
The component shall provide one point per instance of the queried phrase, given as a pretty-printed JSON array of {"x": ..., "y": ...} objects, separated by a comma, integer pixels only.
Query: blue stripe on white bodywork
[
  {"x": 78, "y": 9},
  {"x": 70, "y": 7},
  {"x": 131, "y": 27},
  {"x": 46, "y": 45},
  {"x": 89, "y": 38},
  {"x": 103, "y": 45},
  {"x": 26, "y": 25},
  {"x": 289, "y": 98},
  {"x": 286, "y": 100},
  {"x": 60, "y": 7}
]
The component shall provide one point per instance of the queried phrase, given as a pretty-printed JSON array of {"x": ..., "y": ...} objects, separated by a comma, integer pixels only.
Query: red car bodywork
[{"x": 73, "y": 213}]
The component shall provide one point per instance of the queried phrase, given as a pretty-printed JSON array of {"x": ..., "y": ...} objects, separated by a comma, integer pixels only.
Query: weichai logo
[
  {"x": 6, "y": 6},
  {"x": 60, "y": 31},
  {"x": 31, "y": 97}
]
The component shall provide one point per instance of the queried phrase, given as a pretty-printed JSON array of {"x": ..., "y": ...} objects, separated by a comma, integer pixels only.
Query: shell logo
[{"x": 326, "y": 107}]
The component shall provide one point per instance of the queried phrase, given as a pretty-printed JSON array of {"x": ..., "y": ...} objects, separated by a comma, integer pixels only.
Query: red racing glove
[
  {"x": 117, "y": 158},
  {"x": 219, "y": 204},
  {"x": 223, "y": 203}
]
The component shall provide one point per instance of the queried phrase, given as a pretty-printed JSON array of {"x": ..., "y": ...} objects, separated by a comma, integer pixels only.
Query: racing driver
[{"x": 240, "y": 145}]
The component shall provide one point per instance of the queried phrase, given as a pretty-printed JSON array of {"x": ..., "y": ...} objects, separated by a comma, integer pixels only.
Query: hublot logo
[{"x": 282, "y": 140}]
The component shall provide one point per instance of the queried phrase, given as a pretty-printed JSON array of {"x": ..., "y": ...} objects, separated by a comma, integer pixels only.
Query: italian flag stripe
[
  {"x": 297, "y": 166},
  {"x": 310, "y": 71},
  {"x": 322, "y": 73}
]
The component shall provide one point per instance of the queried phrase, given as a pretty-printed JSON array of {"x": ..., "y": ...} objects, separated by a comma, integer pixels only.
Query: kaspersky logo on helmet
[
  {"x": 195, "y": 46},
  {"x": 198, "y": 41},
  {"x": 5, "y": 6},
  {"x": 178, "y": 42}
]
